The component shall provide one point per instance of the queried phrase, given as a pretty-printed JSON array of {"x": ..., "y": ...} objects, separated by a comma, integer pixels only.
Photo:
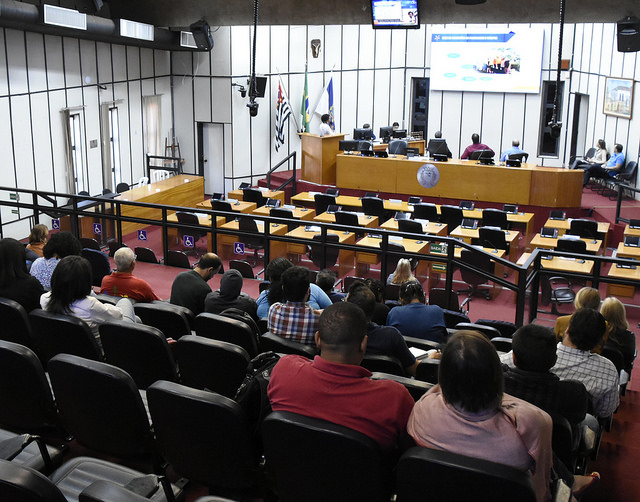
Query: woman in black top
[{"x": 15, "y": 282}]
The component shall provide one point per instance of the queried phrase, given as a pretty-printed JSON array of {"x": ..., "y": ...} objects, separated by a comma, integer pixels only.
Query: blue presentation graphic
[{"x": 506, "y": 61}]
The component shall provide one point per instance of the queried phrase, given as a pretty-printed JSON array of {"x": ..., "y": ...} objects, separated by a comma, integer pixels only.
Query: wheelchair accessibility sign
[
  {"x": 55, "y": 223},
  {"x": 97, "y": 228},
  {"x": 187, "y": 241},
  {"x": 142, "y": 235},
  {"x": 238, "y": 248}
]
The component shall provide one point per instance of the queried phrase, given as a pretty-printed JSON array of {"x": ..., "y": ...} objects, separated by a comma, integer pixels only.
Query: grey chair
[{"x": 398, "y": 147}]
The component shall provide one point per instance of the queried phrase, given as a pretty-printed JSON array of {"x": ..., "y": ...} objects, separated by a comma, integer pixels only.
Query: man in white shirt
[{"x": 325, "y": 128}]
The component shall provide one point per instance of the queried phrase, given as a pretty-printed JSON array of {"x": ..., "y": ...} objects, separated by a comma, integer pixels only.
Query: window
[
  {"x": 547, "y": 145},
  {"x": 76, "y": 147},
  {"x": 114, "y": 145}
]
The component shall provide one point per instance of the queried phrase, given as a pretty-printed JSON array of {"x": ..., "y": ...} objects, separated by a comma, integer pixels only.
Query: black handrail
[
  {"x": 621, "y": 188},
  {"x": 293, "y": 178}
]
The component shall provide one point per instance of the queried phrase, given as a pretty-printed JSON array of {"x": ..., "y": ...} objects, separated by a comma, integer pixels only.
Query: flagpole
[{"x": 284, "y": 91}]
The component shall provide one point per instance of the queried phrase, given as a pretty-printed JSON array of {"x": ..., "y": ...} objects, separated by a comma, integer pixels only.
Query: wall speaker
[
  {"x": 202, "y": 35},
  {"x": 629, "y": 34}
]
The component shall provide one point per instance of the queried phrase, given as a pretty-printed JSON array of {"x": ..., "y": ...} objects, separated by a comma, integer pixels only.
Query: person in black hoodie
[{"x": 230, "y": 295}]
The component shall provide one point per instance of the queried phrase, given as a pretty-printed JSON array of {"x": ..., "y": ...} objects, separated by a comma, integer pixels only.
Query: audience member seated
[
  {"x": 416, "y": 319},
  {"x": 380, "y": 311},
  {"x": 123, "y": 283},
  {"x": 381, "y": 340},
  {"x": 295, "y": 319},
  {"x": 334, "y": 387},
  {"x": 325, "y": 280},
  {"x": 600, "y": 157},
  {"x": 368, "y": 126},
  {"x": 620, "y": 337},
  {"x": 606, "y": 170},
  {"x": 230, "y": 295},
  {"x": 515, "y": 148},
  {"x": 60, "y": 244},
  {"x": 71, "y": 295},
  {"x": 15, "y": 282},
  {"x": 468, "y": 413},
  {"x": 438, "y": 146},
  {"x": 586, "y": 298},
  {"x": 190, "y": 288},
  {"x": 474, "y": 146},
  {"x": 402, "y": 273},
  {"x": 38, "y": 238},
  {"x": 318, "y": 299}
]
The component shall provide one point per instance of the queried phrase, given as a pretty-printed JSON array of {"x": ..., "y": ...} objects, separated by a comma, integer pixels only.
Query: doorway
[
  {"x": 578, "y": 128},
  {"x": 211, "y": 156}
]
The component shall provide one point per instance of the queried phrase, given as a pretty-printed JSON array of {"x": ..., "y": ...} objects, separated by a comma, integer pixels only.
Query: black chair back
[
  {"x": 487, "y": 331},
  {"x": 444, "y": 299},
  {"x": 427, "y": 370},
  {"x": 244, "y": 267},
  {"x": 177, "y": 258},
  {"x": 251, "y": 241},
  {"x": 425, "y": 211},
  {"x": 221, "y": 205},
  {"x": 398, "y": 147},
  {"x": 122, "y": 187},
  {"x": 353, "y": 467},
  {"x": 492, "y": 238},
  {"x": 275, "y": 343},
  {"x": 15, "y": 325},
  {"x": 383, "y": 364},
  {"x": 522, "y": 157},
  {"x": 414, "y": 227},
  {"x": 506, "y": 328},
  {"x": 114, "y": 245},
  {"x": 145, "y": 254},
  {"x": 494, "y": 218},
  {"x": 373, "y": 206},
  {"x": 324, "y": 256},
  {"x": 451, "y": 215},
  {"x": 323, "y": 201},
  {"x": 211, "y": 364},
  {"x": 100, "y": 266},
  {"x": 90, "y": 243},
  {"x": 20, "y": 484},
  {"x": 347, "y": 218},
  {"x": 142, "y": 351},
  {"x": 587, "y": 229},
  {"x": 572, "y": 246},
  {"x": 174, "y": 321},
  {"x": 253, "y": 195},
  {"x": 471, "y": 277},
  {"x": 225, "y": 329},
  {"x": 454, "y": 317}
]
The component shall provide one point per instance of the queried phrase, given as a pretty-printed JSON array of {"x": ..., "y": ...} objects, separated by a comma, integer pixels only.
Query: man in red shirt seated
[
  {"x": 475, "y": 146},
  {"x": 334, "y": 387},
  {"x": 123, "y": 283}
]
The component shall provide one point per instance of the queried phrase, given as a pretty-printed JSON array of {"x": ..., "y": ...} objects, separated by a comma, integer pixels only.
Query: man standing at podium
[{"x": 325, "y": 128}]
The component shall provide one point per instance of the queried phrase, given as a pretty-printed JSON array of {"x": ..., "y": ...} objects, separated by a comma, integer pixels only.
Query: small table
[
  {"x": 467, "y": 234},
  {"x": 623, "y": 273},
  {"x": 365, "y": 259},
  {"x": 236, "y": 207},
  {"x": 631, "y": 231},
  {"x": 564, "y": 225},
  {"x": 299, "y": 213},
  {"x": 271, "y": 194},
  {"x": 593, "y": 246},
  {"x": 173, "y": 233},
  {"x": 364, "y": 220},
  {"x": 432, "y": 227},
  {"x": 562, "y": 264},
  {"x": 628, "y": 251},
  {"x": 345, "y": 256},
  {"x": 226, "y": 242}
]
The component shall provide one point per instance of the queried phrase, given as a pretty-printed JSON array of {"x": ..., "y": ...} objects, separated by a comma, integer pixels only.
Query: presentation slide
[{"x": 487, "y": 61}]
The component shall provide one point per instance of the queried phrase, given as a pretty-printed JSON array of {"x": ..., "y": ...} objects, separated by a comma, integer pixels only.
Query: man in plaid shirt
[{"x": 294, "y": 320}]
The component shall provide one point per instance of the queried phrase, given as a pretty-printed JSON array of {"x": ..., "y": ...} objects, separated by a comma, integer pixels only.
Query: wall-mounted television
[{"x": 395, "y": 14}]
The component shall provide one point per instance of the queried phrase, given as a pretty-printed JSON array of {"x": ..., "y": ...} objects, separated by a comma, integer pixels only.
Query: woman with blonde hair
[
  {"x": 620, "y": 337},
  {"x": 38, "y": 238},
  {"x": 586, "y": 298},
  {"x": 402, "y": 273}
]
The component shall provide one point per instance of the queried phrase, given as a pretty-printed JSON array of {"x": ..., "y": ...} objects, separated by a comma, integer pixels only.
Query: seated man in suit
[
  {"x": 515, "y": 148},
  {"x": 438, "y": 145},
  {"x": 475, "y": 146},
  {"x": 123, "y": 283},
  {"x": 295, "y": 319},
  {"x": 608, "y": 170},
  {"x": 334, "y": 387}
]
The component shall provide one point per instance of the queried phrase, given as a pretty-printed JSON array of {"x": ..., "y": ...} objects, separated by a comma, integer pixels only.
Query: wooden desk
[
  {"x": 468, "y": 234},
  {"x": 529, "y": 184},
  {"x": 350, "y": 202},
  {"x": 318, "y": 159},
  {"x": 623, "y": 273},
  {"x": 550, "y": 243},
  {"x": 345, "y": 256},
  {"x": 433, "y": 227},
  {"x": 411, "y": 143},
  {"x": 299, "y": 213},
  {"x": 628, "y": 251},
  {"x": 364, "y": 259},
  {"x": 226, "y": 241},
  {"x": 519, "y": 219},
  {"x": 271, "y": 194},
  {"x": 237, "y": 207},
  {"x": 561, "y": 264},
  {"x": 173, "y": 233},
  {"x": 631, "y": 231},
  {"x": 182, "y": 190},
  {"x": 564, "y": 225},
  {"x": 363, "y": 220}
]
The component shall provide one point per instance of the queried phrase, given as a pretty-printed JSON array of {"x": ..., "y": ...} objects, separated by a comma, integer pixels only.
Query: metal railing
[{"x": 292, "y": 180}]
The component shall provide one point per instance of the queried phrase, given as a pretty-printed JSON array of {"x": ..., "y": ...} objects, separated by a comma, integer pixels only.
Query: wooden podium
[{"x": 319, "y": 157}]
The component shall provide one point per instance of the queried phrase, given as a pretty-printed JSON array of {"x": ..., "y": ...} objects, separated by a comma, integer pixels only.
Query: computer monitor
[
  {"x": 399, "y": 133},
  {"x": 217, "y": 196},
  {"x": 557, "y": 214},
  {"x": 550, "y": 233},
  {"x": 272, "y": 203},
  {"x": 414, "y": 200},
  {"x": 467, "y": 204},
  {"x": 469, "y": 223},
  {"x": 632, "y": 240},
  {"x": 332, "y": 191},
  {"x": 348, "y": 145},
  {"x": 412, "y": 152},
  {"x": 510, "y": 208},
  {"x": 244, "y": 185},
  {"x": 381, "y": 153},
  {"x": 633, "y": 223},
  {"x": 385, "y": 133},
  {"x": 359, "y": 133}
]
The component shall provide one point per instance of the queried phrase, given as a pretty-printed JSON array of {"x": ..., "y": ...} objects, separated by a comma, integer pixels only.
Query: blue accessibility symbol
[
  {"x": 97, "y": 228},
  {"x": 187, "y": 241},
  {"x": 55, "y": 223},
  {"x": 142, "y": 235},
  {"x": 238, "y": 248}
]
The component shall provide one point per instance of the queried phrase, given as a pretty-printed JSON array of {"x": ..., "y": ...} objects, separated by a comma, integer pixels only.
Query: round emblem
[{"x": 428, "y": 176}]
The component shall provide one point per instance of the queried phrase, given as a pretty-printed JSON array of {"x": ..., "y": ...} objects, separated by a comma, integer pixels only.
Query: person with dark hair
[
  {"x": 60, "y": 245},
  {"x": 318, "y": 299},
  {"x": 71, "y": 295},
  {"x": 38, "y": 238},
  {"x": 368, "y": 126},
  {"x": 325, "y": 127},
  {"x": 382, "y": 340},
  {"x": 607, "y": 169},
  {"x": 600, "y": 157},
  {"x": 475, "y": 146},
  {"x": 325, "y": 280},
  {"x": 123, "y": 283},
  {"x": 468, "y": 413},
  {"x": 576, "y": 361},
  {"x": 620, "y": 338},
  {"x": 380, "y": 310},
  {"x": 416, "y": 319},
  {"x": 190, "y": 288},
  {"x": 230, "y": 295},
  {"x": 15, "y": 282},
  {"x": 438, "y": 145},
  {"x": 334, "y": 387},
  {"x": 295, "y": 319}
]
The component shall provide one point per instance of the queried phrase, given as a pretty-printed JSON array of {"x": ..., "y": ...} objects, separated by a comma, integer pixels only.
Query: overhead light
[
  {"x": 187, "y": 40},
  {"x": 133, "y": 29},
  {"x": 67, "y": 18}
]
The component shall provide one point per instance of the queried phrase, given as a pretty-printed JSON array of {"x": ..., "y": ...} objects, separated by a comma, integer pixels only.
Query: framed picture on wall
[{"x": 618, "y": 97}]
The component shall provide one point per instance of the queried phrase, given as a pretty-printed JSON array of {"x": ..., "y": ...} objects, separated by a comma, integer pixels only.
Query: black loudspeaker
[
  {"x": 629, "y": 34},
  {"x": 202, "y": 35}
]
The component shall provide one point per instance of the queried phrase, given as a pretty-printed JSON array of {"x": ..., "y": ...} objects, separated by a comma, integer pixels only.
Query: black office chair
[
  {"x": 414, "y": 227},
  {"x": 447, "y": 299},
  {"x": 586, "y": 229},
  {"x": 427, "y": 370},
  {"x": 425, "y": 211},
  {"x": 244, "y": 267},
  {"x": 398, "y": 147},
  {"x": 577, "y": 246},
  {"x": 114, "y": 245},
  {"x": 495, "y": 218},
  {"x": 275, "y": 343},
  {"x": 451, "y": 476},
  {"x": 490, "y": 237},
  {"x": 556, "y": 290},
  {"x": 474, "y": 279},
  {"x": 253, "y": 195},
  {"x": 15, "y": 326},
  {"x": 212, "y": 365},
  {"x": 190, "y": 219},
  {"x": 365, "y": 145},
  {"x": 487, "y": 331},
  {"x": 280, "y": 212},
  {"x": 324, "y": 256},
  {"x": 452, "y": 216},
  {"x": 225, "y": 329},
  {"x": 323, "y": 201},
  {"x": 122, "y": 187},
  {"x": 173, "y": 320},
  {"x": 522, "y": 157},
  {"x": 221, "y": 205},
  {"x": 626, "y": 177},
  {"x": 176, "y": 258},
  {"x": 256, "y": 242},
  {"x": 454, "y": 317},
  {"x": 90, "y": 243},
  {"x": 374, "y": 206},
  {"x": 353, "y": 468},
  {"x": 100, "y": 266},
  {"x": 383, "y": 364},
  {"x": 506, "y": 328},
  {"x": 145, "y": 254},
  {"x": 347, "y": 218}
]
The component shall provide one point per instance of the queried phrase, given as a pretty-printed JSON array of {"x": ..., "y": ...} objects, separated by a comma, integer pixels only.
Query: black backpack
[
  {"x": 241, "y": 315},
  {"x": 252, "y": 393}
]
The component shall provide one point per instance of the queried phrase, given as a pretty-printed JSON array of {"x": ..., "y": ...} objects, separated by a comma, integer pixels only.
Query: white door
[{"x": 213, "y": 151}]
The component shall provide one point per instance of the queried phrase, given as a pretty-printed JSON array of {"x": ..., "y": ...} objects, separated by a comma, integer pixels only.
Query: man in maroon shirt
[
  {"x": 334, "y": 387},
  {"x": 475, "y": 146},
  {"x": 122, "y": 282}
]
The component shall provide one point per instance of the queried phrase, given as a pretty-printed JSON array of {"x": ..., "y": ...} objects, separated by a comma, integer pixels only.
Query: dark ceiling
[{"x": 181, "y": 13}]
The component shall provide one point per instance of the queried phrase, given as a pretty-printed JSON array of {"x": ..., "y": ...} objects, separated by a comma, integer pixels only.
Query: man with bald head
[
  {"x": 190, "y": 288},
  {"x": 334, "y": 387},
  {"x": 123, "y": 283}
]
